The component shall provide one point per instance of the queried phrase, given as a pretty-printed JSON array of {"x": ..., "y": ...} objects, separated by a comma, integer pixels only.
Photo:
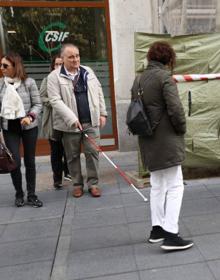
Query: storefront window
[
  {"x": 38, "y": 33},
  {"x": 59, "y": 0}
]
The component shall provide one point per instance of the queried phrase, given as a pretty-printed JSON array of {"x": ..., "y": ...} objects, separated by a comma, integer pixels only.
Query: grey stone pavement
[{"x": 105, "y": 238}]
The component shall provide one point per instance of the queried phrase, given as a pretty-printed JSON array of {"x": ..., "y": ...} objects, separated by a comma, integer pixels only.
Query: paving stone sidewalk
[{"x": 105, "y": 238}]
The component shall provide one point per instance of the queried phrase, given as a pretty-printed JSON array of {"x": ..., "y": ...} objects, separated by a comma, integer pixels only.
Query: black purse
[
  {"x": 137, "y": 118},
  {"x": 7, "y": 163}
]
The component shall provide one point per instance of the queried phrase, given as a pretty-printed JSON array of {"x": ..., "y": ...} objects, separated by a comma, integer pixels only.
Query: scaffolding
[{"x": 184, "y": 17}]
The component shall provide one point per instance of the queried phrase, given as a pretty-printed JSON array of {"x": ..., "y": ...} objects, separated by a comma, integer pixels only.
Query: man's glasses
[{"x": 4, "y": 65}]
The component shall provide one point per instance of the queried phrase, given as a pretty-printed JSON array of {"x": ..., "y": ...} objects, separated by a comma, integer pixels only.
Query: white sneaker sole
[
  {"x": 155, "y": 240},
  {"x": 67, "y": 179},
  {"x": 175, "y": 248}
]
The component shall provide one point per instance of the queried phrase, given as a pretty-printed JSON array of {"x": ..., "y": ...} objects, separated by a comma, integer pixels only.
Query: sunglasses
[{"x": 4, "y": 65}]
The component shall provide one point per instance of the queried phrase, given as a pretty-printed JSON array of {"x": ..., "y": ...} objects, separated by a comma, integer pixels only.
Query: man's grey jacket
[{"x": 62, "y": 99}]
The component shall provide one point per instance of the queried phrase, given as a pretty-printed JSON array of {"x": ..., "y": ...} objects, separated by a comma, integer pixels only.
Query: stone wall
[{"x": 127, "y": 17}]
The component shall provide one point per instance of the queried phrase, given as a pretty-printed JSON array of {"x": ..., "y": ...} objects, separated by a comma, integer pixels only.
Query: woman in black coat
[{"x": 163, "y": 153}]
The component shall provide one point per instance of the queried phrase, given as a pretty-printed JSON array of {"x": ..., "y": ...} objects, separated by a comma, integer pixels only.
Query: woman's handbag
[
  {"x": 7, "y": 163},
  {"x": 137, "y": 118}
]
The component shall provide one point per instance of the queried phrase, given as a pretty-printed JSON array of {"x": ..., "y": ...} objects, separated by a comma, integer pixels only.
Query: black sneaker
[
  {"x": 34, "y": 202},
  {"x": 19, "y": 201},
  {"x": 174, "y": 242},
  {"x": 67, "y": 177},
  {"x": 156, "y": 234},
  {"x": 58, "y": 186}
]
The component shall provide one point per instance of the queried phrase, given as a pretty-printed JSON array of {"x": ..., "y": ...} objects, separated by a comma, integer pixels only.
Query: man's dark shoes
[
  {"x": 173, "y": 242},
  {"x": 34, "y": 202},
  {"x": 19, "y": 201},
  {"x": 77, "y": 191},
  {"x": 156, "y": 235},
  {"x": 95, "y": 191}
]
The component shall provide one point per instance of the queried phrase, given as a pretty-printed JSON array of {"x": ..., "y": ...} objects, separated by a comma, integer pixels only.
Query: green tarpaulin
[{"x": 196, "y": 54}]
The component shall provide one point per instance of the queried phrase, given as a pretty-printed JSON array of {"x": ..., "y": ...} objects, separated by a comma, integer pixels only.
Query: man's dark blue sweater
[
  {"x": 80, "y": 91},
  {"x": 81, "y": 95}
]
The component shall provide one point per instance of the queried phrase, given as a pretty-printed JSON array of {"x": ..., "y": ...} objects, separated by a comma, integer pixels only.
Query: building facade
[{"x": 103, "y": 30}]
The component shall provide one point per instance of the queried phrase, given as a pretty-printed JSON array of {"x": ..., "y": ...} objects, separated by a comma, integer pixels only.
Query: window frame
[{"x": 42, "y": 145}]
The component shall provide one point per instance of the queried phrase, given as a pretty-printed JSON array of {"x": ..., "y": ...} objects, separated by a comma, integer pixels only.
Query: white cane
[{"x": 122, "y": 173}]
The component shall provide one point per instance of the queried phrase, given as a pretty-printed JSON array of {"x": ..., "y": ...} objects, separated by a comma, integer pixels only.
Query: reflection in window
[
  {"x": 22, "y": 28},
  {"x": 37, "y": 34},
  {"x": 64, "y": 0}
]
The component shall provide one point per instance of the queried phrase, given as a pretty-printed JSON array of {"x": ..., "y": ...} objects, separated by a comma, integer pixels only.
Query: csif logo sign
[{"x": 50, "y": 34}]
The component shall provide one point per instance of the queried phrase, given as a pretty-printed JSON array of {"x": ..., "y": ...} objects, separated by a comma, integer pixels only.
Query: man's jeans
[{"x": 73, "y": 142}]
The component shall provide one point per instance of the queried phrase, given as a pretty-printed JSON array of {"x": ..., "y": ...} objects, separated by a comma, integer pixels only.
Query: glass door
[{"x": 37, "y": 34}]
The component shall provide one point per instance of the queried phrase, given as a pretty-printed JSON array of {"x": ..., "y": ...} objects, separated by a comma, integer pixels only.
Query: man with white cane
[{"x": 78, "y": 106}]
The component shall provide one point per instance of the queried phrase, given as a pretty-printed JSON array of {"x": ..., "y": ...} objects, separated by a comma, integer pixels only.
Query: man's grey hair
[{"x": 64, "y": 46}]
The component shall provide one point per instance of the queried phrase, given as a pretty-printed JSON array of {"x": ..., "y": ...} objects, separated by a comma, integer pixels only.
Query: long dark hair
[
  {"x": 52, "y": 65},
  {"x": 17, "y": 63}
]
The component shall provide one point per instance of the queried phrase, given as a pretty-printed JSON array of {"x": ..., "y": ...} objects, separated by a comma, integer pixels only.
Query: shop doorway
[{"x": 37, "y": 29}]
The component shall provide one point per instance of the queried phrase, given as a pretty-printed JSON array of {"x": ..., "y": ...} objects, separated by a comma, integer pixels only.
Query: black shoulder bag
[{"x": 137, "y": 119}]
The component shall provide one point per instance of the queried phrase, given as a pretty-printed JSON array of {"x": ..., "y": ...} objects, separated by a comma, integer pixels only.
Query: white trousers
[{"x": 166, "y": 197}]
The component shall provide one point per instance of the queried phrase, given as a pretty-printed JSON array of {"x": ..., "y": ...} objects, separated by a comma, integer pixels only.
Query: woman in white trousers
[{"x": 163, "y": 152}]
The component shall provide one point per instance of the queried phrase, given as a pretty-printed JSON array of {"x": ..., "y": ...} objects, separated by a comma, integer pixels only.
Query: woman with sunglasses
[
  {"x": 57, "y": 156},
  {"x": 20, "y": 106}
]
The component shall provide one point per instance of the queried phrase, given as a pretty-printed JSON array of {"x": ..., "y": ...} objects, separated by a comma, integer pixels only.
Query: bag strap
[
  {"x": 2, "y": 86},
  {"x": 138, "y": 89},
  {"x": 2, "y": 140}
]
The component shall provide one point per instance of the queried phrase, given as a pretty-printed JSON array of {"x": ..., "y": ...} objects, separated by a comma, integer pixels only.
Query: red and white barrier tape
[{"x": 195, "y": 77}]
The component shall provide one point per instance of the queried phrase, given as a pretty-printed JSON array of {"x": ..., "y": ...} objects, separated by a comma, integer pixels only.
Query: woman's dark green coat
[{"x": 160, "y": 96}]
